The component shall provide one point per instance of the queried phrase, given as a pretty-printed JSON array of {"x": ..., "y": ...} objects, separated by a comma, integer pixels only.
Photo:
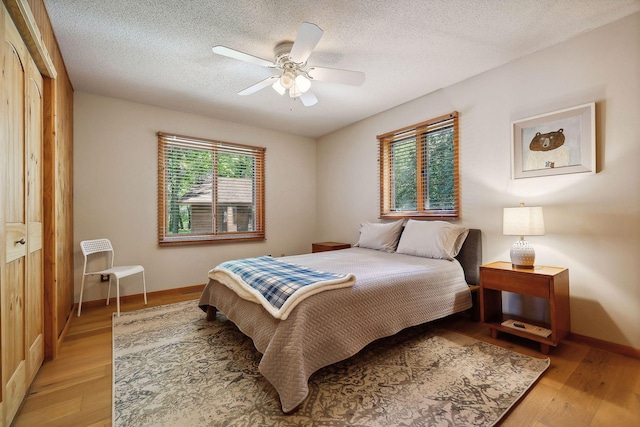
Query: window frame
[
  {"x": 166, "y": 140},
  {"x": 385, "y": 142}
]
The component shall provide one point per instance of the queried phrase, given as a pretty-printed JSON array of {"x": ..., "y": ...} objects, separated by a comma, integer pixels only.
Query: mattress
[{"x": 392, "y": 292}]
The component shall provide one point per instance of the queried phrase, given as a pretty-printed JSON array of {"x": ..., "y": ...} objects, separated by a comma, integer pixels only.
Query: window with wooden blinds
[
  {"x": 209, "y": 191},
  {"x": 419, "y": 170}
]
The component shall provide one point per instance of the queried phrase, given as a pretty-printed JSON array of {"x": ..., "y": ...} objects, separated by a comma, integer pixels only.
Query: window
[
  {"x": 209, "y": 191},
  {"x": 419, "y": 170}
]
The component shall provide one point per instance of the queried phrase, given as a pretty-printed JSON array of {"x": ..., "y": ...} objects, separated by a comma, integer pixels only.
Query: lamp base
[
  {"x": 522, "y": 254},
  {"x": 530, "y": 267}
]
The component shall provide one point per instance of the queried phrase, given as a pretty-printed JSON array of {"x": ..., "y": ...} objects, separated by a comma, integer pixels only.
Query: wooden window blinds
[
  {"x": 209, "y": 191},
  {"x": 419, "y": 170}
]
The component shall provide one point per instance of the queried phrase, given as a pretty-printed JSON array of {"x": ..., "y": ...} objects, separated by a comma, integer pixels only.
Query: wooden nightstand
[
  {"x": 328, "y": 246},
  {"x": 550, "y": 283}
]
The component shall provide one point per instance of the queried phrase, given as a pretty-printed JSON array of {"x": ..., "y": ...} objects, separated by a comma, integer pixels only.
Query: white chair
[{"x": 90, "y": 247}]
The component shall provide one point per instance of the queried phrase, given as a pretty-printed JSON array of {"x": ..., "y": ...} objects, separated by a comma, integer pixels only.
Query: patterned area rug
[{"x": 173, "y": 368}]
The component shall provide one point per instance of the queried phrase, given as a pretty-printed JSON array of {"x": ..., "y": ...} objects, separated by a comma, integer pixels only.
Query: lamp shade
[
  {"x": 277, "y": 86},
  {"x": 523, "y": 221},
  {"x": 287, "y": 79},
  {"x": 302, "y": 83}
]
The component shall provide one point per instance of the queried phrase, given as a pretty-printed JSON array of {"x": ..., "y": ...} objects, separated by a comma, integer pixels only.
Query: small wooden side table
[
  {"x": 328, "y": 246},
  {"x": 550, "y": 283}
]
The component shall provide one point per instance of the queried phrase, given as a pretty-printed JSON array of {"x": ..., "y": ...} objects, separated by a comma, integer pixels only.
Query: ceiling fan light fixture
[
  {"x": 277, "y": 86},
  {"x": 287, "y": 79},
  {"x": 302, "y": 83},
  {"x": 290, "y": 67},
  {"x": 294, "y": 91}
]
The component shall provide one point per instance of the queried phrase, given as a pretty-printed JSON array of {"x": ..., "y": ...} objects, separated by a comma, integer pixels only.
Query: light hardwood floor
[{"x": 582, "y": 387}]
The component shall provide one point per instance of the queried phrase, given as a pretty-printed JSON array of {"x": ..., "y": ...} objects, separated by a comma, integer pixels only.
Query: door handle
[{"x": 21, "y": 241}]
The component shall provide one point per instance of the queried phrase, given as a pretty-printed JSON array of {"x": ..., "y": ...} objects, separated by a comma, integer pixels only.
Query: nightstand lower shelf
[{"x": 497, "y": 326}]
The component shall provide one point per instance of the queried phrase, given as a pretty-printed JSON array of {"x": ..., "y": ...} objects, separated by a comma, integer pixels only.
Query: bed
[{"x": 392, "y": 291}]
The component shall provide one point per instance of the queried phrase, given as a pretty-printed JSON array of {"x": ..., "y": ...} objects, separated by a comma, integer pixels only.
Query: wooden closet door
[
  {"x": 15, "y": 226},
  {"x": 21, "y": 296},
  {"x": 34, "y": 286}
]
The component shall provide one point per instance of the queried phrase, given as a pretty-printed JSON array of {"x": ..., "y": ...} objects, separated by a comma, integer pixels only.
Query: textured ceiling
[{"x": 158, "y": 52}]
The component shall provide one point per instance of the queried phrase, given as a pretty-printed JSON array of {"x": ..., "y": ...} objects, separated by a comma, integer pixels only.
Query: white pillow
[
  {"x": 432, "y": 239},
  {"x": 380, "y": 236}
]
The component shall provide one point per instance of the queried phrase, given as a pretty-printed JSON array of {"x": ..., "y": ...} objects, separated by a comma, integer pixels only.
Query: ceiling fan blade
[
  {"x": 332, "y": 75},
  {"x": 307, "y": 39},
  {"x": 236, "y": 54},
  {"x": 258, "y": 86},
  {"x": 308, "y": 99}
]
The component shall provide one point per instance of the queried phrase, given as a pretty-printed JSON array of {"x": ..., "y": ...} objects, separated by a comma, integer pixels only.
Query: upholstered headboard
[{"x": 470, "y": 256}]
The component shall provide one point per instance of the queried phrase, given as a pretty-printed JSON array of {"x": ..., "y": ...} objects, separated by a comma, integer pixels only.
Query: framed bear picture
[{"x": 556, "y": 143}]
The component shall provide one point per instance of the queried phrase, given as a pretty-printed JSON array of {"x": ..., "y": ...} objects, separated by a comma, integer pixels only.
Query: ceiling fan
[{"x": 290, "y": 61}]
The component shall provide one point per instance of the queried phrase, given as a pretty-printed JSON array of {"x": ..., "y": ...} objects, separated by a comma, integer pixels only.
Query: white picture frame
[{"x": 556, "y": 143}]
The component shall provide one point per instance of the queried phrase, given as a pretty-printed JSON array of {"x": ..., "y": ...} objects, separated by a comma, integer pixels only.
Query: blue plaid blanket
[{"x": 277, "y": 285}]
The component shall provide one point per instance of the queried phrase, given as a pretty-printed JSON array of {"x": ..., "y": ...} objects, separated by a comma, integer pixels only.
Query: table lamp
[{"x": 522, "y": 221}]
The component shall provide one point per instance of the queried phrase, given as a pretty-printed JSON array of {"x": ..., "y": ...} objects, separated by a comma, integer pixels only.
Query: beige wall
[
  {"x": 592, "y": 221},
  {"x": 115, "y": 167}
]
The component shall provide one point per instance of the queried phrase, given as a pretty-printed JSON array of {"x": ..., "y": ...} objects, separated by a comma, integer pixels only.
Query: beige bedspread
[{"x": 392, "y": 292}]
